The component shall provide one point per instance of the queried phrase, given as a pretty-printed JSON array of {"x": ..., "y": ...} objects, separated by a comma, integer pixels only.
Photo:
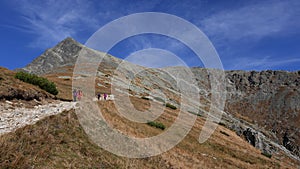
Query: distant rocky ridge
[
  {"x": 262, "y": 103},
  {"x": 268, "y": 99}
]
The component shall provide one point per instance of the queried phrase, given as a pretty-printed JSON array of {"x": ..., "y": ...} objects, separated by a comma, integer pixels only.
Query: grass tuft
[
  {"x": 266, "y": 154},
  {"x": 156, "y": 124},
  {"x": 171, "y": 106}
]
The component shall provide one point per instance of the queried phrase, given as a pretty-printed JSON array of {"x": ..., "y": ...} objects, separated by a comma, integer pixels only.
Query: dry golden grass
[
  {"x": 60, "y": 142},
  {"x": 220, "y": 151}
]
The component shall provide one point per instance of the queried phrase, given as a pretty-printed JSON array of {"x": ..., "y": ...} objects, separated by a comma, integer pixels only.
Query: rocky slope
[
  {"x": 268, "y": 99},
  {"x": 14, "y": 115},
  {"x": 259, "y": 104}
]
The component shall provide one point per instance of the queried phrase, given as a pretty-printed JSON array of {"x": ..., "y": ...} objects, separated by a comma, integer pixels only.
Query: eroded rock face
[
  {"x": 269, "y": 99},
  {"x": 250, "y": 133},
  {"x": 290, "y": 143},
  {"x": 250, "y": 136}
]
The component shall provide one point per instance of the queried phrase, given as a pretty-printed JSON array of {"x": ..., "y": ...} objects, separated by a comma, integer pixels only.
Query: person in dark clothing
[
  {"x": 74, "y": 95},
  {"x": 99, "y": 96}
]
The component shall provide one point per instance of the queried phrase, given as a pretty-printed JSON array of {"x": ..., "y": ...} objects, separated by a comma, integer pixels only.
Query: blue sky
[{"x": 248, "y": 35}]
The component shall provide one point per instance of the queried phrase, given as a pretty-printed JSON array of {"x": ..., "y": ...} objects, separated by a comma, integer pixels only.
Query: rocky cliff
[{"x": 269, "y": 99}]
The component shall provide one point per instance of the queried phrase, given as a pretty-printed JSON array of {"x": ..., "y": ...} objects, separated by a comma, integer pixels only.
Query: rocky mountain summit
[
  {"x": 262, "y": 107},
  {"x": 63, "y": 54}
]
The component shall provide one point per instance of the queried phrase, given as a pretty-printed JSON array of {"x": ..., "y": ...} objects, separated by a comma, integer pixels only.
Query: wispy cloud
[
  {"x": 146, "y": 42},
  {"x": 155, "y": 58},
  {"x": 253, "y": 21},
  {"x": 51, "y": 21},
  {"x": 264, "y": 63}
]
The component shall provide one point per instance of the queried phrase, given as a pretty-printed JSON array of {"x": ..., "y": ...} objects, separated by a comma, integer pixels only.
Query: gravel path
[{"x": 12, "y": 118}]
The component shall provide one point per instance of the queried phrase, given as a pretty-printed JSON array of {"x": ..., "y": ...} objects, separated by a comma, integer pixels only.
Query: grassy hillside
[{"x": 60, "y": 142}]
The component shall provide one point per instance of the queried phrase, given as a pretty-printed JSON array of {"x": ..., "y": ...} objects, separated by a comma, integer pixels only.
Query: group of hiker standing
[
  {"x": 104, "y": 96},
  {"x": 77, "y": 94}
]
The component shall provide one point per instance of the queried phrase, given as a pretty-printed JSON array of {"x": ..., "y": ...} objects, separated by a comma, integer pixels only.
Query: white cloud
[
  {"x": 253, "y": 21},
  {"x": 264, "y": 63},
  {"x": 51, "y": 21},
  {"x": 154, "y": 58}
]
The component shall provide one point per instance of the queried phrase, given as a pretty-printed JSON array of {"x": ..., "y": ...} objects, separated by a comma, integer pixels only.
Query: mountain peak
[
  {"x": 69, "y": 40},
  {"x": 63, "y": 54}
]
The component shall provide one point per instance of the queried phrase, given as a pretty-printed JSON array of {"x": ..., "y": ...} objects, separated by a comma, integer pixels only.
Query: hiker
[
  {"x": 105, "y": 96},
  {"x": 99, "y": 96},
  {"x": 79, "y": 95},
  {"x": 74, "y": 95}
]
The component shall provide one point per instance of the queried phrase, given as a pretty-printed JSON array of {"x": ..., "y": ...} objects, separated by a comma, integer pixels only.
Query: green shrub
[
  {"x": 171, "y": 106},
  {"x": 266, "y": 154},
  {"x": 43, "y": 83},
  {"x": 156, "y": 124}
]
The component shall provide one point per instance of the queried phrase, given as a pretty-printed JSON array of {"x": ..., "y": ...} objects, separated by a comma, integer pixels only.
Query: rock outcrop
[{"x": 269, "y": 99}]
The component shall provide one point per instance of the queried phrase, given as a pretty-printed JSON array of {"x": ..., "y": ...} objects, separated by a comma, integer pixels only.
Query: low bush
[
  {"x": 171, "y": 106},
  {"x": 41, "y": 82},
  {"x": 266, "y": 154},
  {"x": 156, "y": 124}
]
